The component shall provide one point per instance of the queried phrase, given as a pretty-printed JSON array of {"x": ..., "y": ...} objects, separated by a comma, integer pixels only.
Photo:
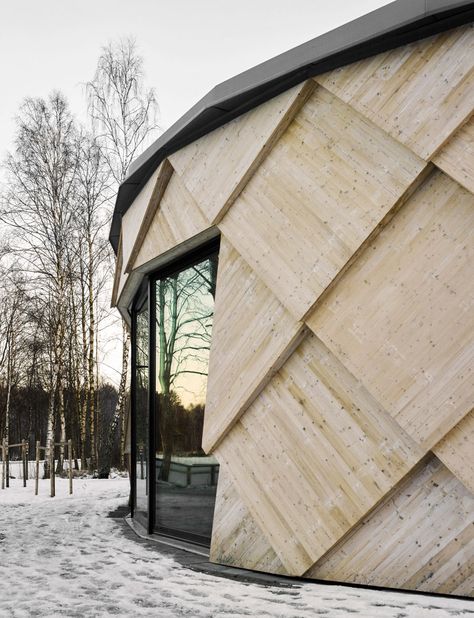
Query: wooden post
[
  {"x": 23, "y": 461},
  {"x": 51, "y": 468},
  {"x": 4, "y": 467},
  {"x": 37, "y": 466},
  {"x": 69, "y": 452},
  {"x": 27, "y": 459},
  {"x": 7, "y": 464}
]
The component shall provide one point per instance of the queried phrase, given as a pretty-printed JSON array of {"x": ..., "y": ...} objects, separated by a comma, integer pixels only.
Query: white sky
[{"x": 188, "y": 47}]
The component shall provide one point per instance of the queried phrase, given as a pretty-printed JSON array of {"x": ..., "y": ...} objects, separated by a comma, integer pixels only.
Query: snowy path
[{"x": 62, "y": 557}]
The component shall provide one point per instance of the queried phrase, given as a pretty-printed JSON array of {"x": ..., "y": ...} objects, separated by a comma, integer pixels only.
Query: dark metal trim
[
  {"x": 391, "y": 26},
  {"x": 133, "y": 427},
  {"x": 184, "y": 261},
  {"x": 151, "y": 476}
]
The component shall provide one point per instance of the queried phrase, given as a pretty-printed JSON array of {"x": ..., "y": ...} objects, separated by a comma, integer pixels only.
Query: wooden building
[{"x": 317, "y": 211}]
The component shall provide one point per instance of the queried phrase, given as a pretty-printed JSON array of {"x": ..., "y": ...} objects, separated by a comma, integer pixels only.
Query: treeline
[{"x": 56, "y": 263}]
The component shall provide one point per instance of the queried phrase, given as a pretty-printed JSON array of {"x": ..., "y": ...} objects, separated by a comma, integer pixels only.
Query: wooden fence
[{"x": 24, "y": 463}]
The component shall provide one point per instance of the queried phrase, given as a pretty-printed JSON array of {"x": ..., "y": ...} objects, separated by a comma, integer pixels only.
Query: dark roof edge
[{"x": 393, "y": 25}]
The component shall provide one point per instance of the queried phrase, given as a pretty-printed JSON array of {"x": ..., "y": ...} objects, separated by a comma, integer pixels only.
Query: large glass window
[
  {"x": 141, "y": 413},
  {"x": 186, "y": 478},
  {"x": 174, "y": 480}
]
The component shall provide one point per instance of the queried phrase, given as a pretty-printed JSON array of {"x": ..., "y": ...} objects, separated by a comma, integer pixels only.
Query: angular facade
[{"x": 300, "y": 286}]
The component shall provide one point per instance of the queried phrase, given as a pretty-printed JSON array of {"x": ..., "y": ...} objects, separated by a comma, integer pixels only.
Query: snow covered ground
[{"x": 61, "y": 557}]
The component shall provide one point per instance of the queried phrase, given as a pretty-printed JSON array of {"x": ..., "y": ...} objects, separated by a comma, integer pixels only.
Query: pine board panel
[
  {"x": 420, "y": 538},
  {"x": 117, "y": 273},
  {"x": 419, "y": 93},
  {"x": 328, "y": 182},
  {"x": 217, "y": 166},
  {"x": 457, "y": 156},
  {"x": 236, "y": 539},
  {"x": 165, "y": 172},
  {"x": 177, "y": 219},
  {"x": 132, "y": 219},
  {"x": 313, "y": 454},
  {"x": 456, "y": 450},
  {"x": 401, "y": 318},
  {"x": 252, "y": 335}
]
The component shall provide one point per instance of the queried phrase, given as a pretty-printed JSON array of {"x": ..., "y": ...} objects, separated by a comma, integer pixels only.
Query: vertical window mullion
[
  {"x": 133, "y": 427},
  {"x": 151, "y": 404}
]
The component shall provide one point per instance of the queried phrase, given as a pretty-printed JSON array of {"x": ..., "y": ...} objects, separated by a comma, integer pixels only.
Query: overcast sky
[{"x": 188, "y": 45}]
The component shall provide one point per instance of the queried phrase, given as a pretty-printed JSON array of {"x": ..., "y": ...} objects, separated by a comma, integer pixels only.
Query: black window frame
[
  {"x": 148, "y": 286},
  {"x": 137, "y": 304}
]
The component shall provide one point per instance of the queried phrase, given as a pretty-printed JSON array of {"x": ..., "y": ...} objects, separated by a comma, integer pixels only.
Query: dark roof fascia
[{"x": 391, "y": 26}]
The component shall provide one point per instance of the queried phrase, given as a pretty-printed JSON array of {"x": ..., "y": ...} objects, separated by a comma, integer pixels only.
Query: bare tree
[
  {"x": 123, "y": 117},
  {"x": 93, "y": 260},
  {"x": 12, "y": 323},
  {"x": 123, "y": 112},
  {"x": 38, "y": 206}
]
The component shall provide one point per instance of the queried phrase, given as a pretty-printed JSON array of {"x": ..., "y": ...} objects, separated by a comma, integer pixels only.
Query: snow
[{"x": 62, "y": 557}]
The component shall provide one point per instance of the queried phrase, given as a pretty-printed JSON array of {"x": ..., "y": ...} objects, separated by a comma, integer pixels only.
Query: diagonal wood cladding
[
  {"x": 166, "y": 229},
  {"x": 456, "y": 450},
  {"x": 236, "y": 538},
  {"x": 457, "y": 157},
  {"x": 420, "y": 94},
  {"x": 328, "y": 182},
  {"x": 161, "y": 180},
  {"x": 252, "y": 336},
  {"x": 313, "y": 454},
  {"x": 342, "y": 347},
  {"x": 216, "y": 167},
  {"x": 401, "y": 318},
  {"x": 419, "y": 538}
]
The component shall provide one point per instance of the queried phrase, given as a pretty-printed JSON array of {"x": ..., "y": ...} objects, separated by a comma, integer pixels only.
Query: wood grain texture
[
  {"x": 325, "y": 186},
  {"x": 176, "y": 220},
  {"x": 216, "y": 167},
  {"x": 236, "y": 539},
  {"x": 117, "y": 273},
  {"x": 420, "y": 538},
  {"x": 457, "y": 156},
  {"x": 252, "y": 336},
  {"x": 313, "y": 454},
  {"x": 132, "y": 219},
  {"x": 419, "y": 93},
  {"x": 456, "y": 450},
  {"x": 165, "y": 171},
  {"x": 401, "y": 318}
]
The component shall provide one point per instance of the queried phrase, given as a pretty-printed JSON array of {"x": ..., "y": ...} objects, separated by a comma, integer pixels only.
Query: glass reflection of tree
[
  {"x": 184, "y": 313},
  {"x": 141, "y": 397}
]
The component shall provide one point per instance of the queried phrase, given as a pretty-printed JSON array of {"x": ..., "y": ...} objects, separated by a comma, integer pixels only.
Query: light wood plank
[
  {"x": 216, "y": 167},
  {"x": 117, "y": 273},
  {"x": 419, "y": 93},
  {"x": 164, "y": 175},
  {"x": 456, "y": 450},
  {"x": 176, "y": 220},
  {"x": 252, "y": 336},
  {"x": 132, "y": 219},
  {"x": 313, "y": 454},
  {"x": 236, "y": 539},
  {"x": 457, "y": 156},
  {"x": 420, "y": 538},
  {"x": 401, "y": 318},
  {"x": 326, "y": 185}
]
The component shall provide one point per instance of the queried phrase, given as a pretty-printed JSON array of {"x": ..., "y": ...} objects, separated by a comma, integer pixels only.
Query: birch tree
[
  {"x": 38, "y": 206},
  {"x": 123, "y": 114}
]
